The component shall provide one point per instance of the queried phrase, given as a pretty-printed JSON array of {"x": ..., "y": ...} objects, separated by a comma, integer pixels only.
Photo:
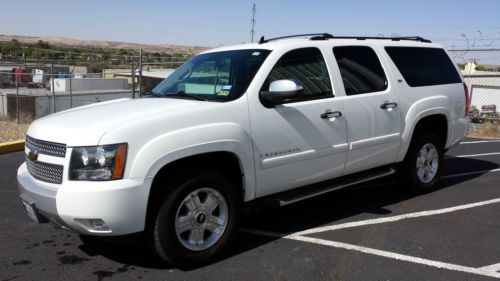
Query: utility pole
[{"x": 252, "y": 32}]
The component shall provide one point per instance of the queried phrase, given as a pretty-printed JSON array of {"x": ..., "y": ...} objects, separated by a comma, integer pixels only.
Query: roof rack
[
  {"x": 323, "y": 36},
  {"x": 326, "y": 36},
  {"x": 408, "y": 38}
]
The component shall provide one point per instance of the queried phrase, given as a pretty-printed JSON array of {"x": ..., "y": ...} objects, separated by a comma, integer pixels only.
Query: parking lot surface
[{"x": 370, "y": 232}]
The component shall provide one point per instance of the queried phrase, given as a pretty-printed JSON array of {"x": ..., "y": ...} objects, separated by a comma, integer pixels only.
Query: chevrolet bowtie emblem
[{"x": 33, "y": 156}]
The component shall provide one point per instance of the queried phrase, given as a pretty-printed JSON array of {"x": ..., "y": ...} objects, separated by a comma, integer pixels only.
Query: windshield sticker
[
  {"x": 255, "y": 53},
  {"x": 223, "y": 93},
  {"x": 226, "y": 87}
]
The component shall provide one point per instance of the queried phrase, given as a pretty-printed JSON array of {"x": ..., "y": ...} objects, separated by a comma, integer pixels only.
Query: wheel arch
[
  {"x": 225, "y": 162},
  {"x": 434, "y": 120}
]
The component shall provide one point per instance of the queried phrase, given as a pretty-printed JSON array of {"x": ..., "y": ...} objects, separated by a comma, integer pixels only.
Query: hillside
[{"x": 70, "y": 42}]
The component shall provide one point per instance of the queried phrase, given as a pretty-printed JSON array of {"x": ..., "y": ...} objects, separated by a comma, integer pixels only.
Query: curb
[{"x": 11, "y": 146}]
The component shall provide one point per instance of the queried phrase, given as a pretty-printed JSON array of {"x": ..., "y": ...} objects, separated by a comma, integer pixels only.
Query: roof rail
[
  {"x": 409, "y": 38},
  {"x": 317, "y": 36},
  {"x": 326, "y": 36}
]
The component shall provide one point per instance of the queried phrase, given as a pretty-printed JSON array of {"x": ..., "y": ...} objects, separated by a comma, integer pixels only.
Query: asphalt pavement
[{"x": 371, "y": 232}]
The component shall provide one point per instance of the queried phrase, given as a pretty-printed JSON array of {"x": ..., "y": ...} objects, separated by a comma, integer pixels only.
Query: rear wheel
[
  {"x": 197, "y": 220},
  {"x": 421, "y": 169}
]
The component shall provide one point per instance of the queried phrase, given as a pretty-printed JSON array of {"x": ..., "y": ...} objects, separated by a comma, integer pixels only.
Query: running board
[
  {"x": 332, "y": 187},
  {"x": 301, "y": 193}
]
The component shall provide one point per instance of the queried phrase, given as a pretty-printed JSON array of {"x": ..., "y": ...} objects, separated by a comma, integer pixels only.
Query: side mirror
[{"x": 282, "y": 91}]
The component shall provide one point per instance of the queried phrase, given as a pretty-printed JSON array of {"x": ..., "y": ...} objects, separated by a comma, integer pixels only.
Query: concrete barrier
[{"x": 11, "y": 146}]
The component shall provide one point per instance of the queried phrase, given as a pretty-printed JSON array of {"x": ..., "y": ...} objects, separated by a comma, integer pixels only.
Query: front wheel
[
  {"x": 197, "y": 219},
  {"x": 421, "y": 169}
]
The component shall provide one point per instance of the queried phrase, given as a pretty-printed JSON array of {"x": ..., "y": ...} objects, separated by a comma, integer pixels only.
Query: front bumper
[{"x": 120, "y": 204}]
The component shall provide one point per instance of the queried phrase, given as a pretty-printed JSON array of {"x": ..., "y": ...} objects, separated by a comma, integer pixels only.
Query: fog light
[
  {"x": 94, "y": 225},
  {"x": 98, "y": 224}
]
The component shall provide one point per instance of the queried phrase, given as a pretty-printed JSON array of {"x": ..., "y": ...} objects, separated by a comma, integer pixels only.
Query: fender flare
[{"x": 411, "y": 124}]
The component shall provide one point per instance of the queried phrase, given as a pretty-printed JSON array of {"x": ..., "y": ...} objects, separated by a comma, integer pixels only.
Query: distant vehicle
[
  {"x": 39, "y": 79},
  {"x": 21, "y": 75},
  {"x": 264, "y": 124},
  {"x": 39, "y": 76},
  {"x": 62, "y": 74}
]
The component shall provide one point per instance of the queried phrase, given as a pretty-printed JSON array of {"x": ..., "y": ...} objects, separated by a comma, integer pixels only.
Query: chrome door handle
[
  {"x": 331, "y": 114},
  {"x": 387, "y": 105}
]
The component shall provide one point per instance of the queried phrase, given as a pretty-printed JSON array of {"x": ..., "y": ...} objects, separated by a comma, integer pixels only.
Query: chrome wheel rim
[
  {"x": 201, "y": 219},
  {"x": 427, "y": 163}
]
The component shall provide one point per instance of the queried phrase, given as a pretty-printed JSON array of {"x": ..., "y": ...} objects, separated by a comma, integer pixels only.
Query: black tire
[
  {"x": 163, "y": 234},
  {"x": 408, "y": 170}
]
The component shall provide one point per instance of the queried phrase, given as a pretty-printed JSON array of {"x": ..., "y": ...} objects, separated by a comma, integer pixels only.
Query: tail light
[{"x": 467, "y": 99}]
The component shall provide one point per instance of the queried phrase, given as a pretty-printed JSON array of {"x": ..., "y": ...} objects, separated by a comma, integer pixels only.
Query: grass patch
[{"x": 486, "y": 130}]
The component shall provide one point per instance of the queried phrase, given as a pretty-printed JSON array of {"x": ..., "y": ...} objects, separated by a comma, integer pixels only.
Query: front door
[{"x": 295, "y": 143}]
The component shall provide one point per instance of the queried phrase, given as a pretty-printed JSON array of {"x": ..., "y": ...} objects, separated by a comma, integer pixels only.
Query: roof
[{"x": 300, "y": 42}]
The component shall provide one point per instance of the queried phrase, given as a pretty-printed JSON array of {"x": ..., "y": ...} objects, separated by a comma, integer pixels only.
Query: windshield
[{"x": 220, "y": 76}]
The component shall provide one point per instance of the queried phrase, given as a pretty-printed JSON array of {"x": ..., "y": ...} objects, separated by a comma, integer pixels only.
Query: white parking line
[
  {"x": 472, "y": 155},
  {"x": 470, "y": 173},
  {"x": 490, "y": 271},
  {"x": 484, "y": 271},
  {"x": 492, "y": 268},
  {"x": 397, "y": 218},
  {"x": 483, "y": 141}
]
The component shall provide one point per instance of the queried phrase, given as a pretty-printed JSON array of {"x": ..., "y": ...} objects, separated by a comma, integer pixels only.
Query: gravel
[{"x": 11, "y": 131}]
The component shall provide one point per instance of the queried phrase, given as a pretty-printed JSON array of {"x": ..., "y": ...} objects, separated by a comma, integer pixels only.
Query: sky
[{"x": 453, "y": 23}]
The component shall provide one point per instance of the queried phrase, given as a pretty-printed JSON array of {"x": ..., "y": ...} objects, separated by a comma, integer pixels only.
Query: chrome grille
[
  {"x": 44, "y": 171},
  {"x": 45, "y": 147}
]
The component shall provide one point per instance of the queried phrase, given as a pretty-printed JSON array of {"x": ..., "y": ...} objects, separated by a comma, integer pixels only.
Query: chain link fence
[
  {"x": 30, "y": 89},
  {"x": 481, "y": 71}
]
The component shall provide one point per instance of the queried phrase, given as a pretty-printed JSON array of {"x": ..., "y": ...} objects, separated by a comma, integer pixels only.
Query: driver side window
[{"x": 306, "y": 66}]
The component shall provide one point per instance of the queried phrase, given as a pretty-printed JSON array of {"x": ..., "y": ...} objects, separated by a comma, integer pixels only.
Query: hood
[{"x": 86, "y": 125}]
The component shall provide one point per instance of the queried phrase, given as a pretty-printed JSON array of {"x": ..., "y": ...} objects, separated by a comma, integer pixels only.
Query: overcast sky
[{"x": 216, "y": 22}]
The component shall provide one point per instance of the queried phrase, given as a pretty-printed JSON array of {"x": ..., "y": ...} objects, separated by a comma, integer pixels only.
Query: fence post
[
  {"x": 53, "y": 89},
  {"x": 17, "y": 100},
  {"x": 133, "y": 79},
  {"x": 140, "y": 73},
  {"x": 70, "y": 91}
]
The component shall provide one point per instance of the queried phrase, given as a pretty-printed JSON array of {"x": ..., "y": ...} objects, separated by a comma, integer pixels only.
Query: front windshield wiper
[
  {"x": 150, "y": 94},
  {"x": 184, "y": 95}
]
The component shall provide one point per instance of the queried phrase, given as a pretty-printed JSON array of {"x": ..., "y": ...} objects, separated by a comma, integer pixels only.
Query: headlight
[{"x": 98, "y": 163}]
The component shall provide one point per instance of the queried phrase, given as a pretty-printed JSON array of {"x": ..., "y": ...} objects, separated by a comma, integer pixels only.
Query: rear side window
[
  {"x": 424, "y": 66},
  {"x": 360, "y": 69},
  {"x": 307, "y": 66}
]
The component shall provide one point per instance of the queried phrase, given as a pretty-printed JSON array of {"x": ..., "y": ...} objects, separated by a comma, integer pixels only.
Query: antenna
[{"x": 252, "y": 31}]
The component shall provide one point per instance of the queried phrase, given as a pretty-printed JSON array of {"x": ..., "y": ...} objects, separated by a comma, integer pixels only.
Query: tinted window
[
  {"x": 308, "y": 67},
  {"x": 424, "y": 66},
  {"x": 360, "y": 69}
]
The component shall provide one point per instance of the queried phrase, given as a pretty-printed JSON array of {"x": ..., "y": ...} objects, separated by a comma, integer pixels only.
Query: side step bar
[
  {"x": 328, "y": 188},
  {"x": 298, "y": 194}
]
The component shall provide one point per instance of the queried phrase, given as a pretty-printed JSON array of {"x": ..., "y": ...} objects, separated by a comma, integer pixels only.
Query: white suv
[{"x": 268, "y": 123}]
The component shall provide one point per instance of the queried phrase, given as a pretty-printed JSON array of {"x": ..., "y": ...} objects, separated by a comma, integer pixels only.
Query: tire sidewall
[
  {"x": 410, "y": 164},
  {"x": 165, "y": 239}
]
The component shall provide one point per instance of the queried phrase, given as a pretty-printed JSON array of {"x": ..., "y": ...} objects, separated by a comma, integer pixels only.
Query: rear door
[{"x": 371, "y": 105}]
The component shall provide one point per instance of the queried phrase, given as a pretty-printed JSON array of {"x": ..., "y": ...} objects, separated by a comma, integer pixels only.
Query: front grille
[
  {"x": 44, "y": 171},
  {"x": 45, "y": 147}
]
